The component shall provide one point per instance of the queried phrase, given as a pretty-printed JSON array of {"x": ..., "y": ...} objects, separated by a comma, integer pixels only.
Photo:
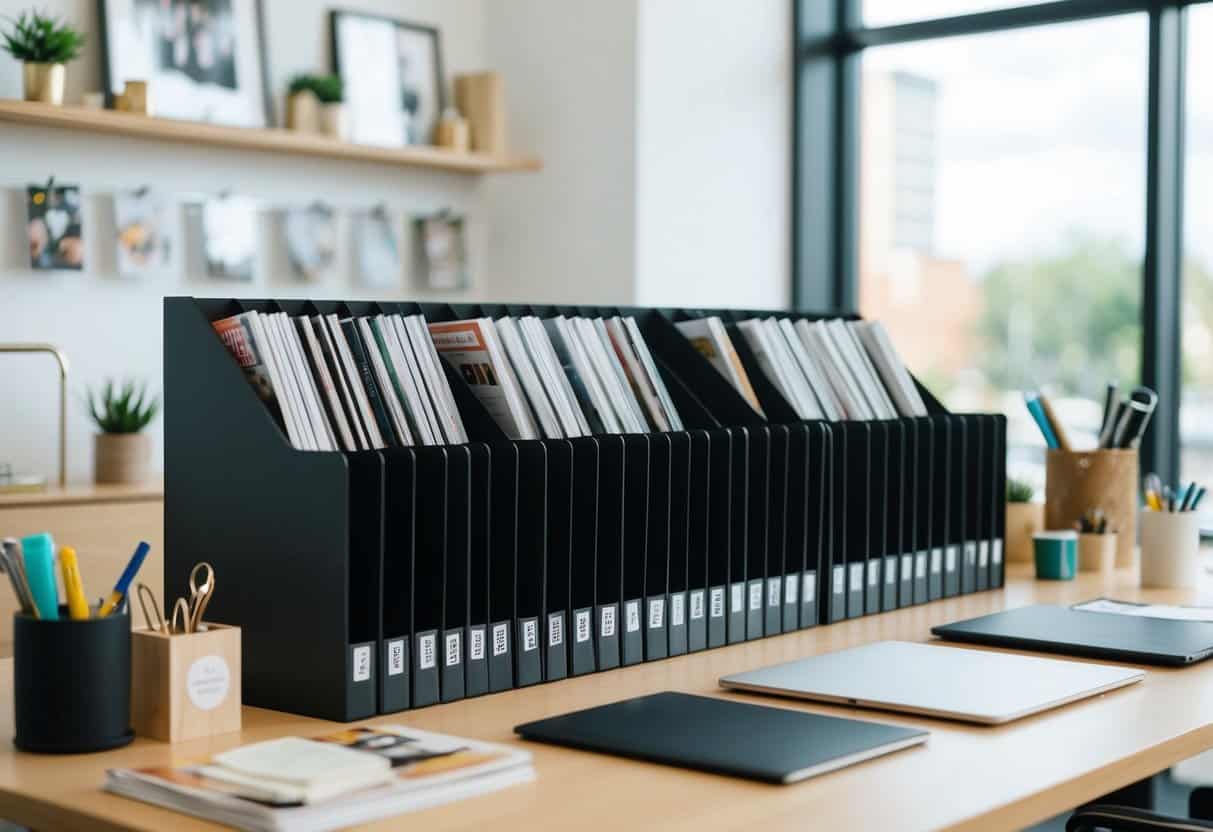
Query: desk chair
[{"x": 1101, "y": 816}]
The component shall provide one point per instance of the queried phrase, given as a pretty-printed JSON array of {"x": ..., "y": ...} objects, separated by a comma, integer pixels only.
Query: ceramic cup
[
  {"x": 1056, "y": 555},
  {"x": 1170, "y": 549}
]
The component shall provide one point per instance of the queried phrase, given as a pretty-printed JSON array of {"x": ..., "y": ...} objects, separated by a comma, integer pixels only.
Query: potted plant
[
  {"x": 122, "y": 453},
  {"x": 1024, "y": 519},
  {"x": 316, "y": 104},
  {"x": 44, "y": 45}
]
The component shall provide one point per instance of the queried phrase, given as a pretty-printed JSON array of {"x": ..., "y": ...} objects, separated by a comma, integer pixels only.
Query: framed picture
[
  {"x": 145, "y": 231},
  {"x": 226, "y": 227},
  {"x": 204, "y": 60},
  {"x": 54, "y": 228},
  {"x": 392, "y": 73},
  {"x": 440, "y": 251},
  {"x": 310, "y": 233},
  {"x": 376, "y": 247}
]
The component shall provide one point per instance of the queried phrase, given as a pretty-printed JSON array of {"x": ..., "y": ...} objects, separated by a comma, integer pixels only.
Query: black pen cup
[{"x": 72, "y": 683}]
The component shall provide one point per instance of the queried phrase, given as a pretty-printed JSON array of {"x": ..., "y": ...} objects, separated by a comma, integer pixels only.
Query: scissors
[
  {"x": 187, "y": 615},
  {"x": 155, "y": 621}
]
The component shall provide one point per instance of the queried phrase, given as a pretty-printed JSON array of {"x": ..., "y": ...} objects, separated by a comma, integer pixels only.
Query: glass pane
[
  {"x": 891, "y": 12},
  {"x": 1196, "y": 408},
  {"x": 1002, "y": 214}
]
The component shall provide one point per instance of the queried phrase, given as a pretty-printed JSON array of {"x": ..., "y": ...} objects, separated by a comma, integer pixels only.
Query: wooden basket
[{"x": 1076, "y": 481}]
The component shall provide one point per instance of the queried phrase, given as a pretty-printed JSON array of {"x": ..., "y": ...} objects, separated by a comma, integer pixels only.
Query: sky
[{"x": 1043, "y": 130}]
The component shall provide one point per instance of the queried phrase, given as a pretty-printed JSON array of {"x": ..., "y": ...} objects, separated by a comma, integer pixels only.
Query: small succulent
[
  {"x": 327, "y": 88},
  {"x": 125, "y": 410},
  {"x": 1019, "y": 491},
  {"x": 39, "y": 38}
]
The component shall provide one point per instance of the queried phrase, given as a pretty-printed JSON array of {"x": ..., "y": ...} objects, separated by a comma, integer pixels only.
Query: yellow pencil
[{"x": 73, "y": 586}]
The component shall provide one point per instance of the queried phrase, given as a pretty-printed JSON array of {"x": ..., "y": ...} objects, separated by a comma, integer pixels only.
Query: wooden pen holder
[
  {"x": 185, "y": 686},
  {"x": 1077, "y": 481}
]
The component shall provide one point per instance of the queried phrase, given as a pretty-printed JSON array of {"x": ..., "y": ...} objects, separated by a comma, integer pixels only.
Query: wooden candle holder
[{"x": 185, "y": 686}]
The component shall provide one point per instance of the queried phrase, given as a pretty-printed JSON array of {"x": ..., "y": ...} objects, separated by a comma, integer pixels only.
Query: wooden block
[
  {"x": 480, "y": 98},
  {"x": 187, "y": 686},
  {"x": 137, "y": 98}
]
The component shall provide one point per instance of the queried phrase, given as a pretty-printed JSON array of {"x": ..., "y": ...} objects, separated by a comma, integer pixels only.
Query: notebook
[
  {"x": 936, "y": 680},
  {"x": 723, "y": 736}
]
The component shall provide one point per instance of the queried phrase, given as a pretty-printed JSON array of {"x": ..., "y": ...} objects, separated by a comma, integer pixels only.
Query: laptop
[
  {"x": 1099, "y": 635},
  {"x": 936, "y": 680},
  {"x": 723, "y": 736}
]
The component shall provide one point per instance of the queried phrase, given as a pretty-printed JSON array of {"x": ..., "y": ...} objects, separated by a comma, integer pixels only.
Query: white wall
[{"x": 713, "y": 153}]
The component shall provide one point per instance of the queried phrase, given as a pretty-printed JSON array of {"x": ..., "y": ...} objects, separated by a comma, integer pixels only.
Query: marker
[
  {"x": 124, "y": 582},
  {"x": 73, "y": 586},
  {"x": 39, "y": 559},
  {"x": 1109, "y": 409},
  {"x": 1032, "y": 400},
  {"x": 1059, "y": 430},
  {"x": 1200, "y": 494},
  {"x": 10, "y": 556}
]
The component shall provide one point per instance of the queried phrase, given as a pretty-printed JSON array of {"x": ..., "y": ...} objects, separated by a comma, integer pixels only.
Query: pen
[
  {"x": 1032, "y": 400},
  {"x": 1059, "y": 430},
  {"x": 73, "y": 586},
  {"x": 1109, "y": 430},
  {"x": 1186, "y": 503},
  {"x": 1109, "y": 407},
  {"x": 39, "y": 550},
  {"x": 1200, "y": 493},
  {"x": 11, "y": 557},
  {"x": 1142, "y": 402},
  {"x": 124, "y": 582}
]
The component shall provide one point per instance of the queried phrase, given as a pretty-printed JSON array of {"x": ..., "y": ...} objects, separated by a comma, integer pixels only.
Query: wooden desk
[{"x": 965, "y": 777}]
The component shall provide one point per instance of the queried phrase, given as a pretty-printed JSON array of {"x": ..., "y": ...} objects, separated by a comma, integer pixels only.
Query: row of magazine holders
[{"x": 376, "y": 581}]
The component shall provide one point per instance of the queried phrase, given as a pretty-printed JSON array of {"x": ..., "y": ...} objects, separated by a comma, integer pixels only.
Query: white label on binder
[
  {"x": 856, "y": 577},
  {"x": 632, "y": 611},
  {"x": 426, "y": 646},
  {"x": 362, "y": 663},
  {"x": 983, "y": 554},
  {"x": 209, "y": 679},
  {"x": 791, "y": 586},
  {"x": 840, "y": 577},
  {"x": 936, "y": 561},
  {"x": 607, "y": 625},
  {"x": 718, "y": 602},
  {"x": 810, "y": 587},
  {"x": 501, "y": 639},
  {"x": 920, "y": 565},
  {"x": 873, "y": 572},
  {"x": 971, "y": 552},
  {"x": 773, "y": 592},
  {"x": 697, "y": 605},
  {"x": 677, "y": 602},
  {"x": 395, "y": 657},
  {"x": 476, "y": 644},
  {"x": 555, "y": 629},
  {"x": 950, "y": 558},
  {"x": 582, "y": 626},
  {"x": 997, "y": 555},
  {"x": 755, "y": 595},
  {"x": 890, "y": 570},
  {"x": 907, "y": 567},
  {"x": 453, "y": 649},
  {"x": 530, "y": 636},
  {"x": 738, "y": 596},
  {"x": 656, "y": 613}
]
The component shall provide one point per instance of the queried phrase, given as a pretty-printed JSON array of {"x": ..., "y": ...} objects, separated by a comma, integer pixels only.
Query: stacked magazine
[
  {"x": 559, "y": 377},
  {"x": 827, "y": 369},
  {"x": 350, "y": 777},
  {"x": 346, "y": 384}
]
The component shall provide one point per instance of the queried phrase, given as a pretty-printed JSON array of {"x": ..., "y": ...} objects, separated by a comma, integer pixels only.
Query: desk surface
[{"x": 966, "y": 777}]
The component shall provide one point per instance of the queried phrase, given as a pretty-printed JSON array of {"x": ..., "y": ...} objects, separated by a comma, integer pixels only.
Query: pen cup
[
  {"x": 72, "y": 683},
  {"x": 1097, "y": 552},
  {"x": 1077, "y": 481},
  {"x": 1170, "y": 549},
  {"x": 187, "y": 685}
]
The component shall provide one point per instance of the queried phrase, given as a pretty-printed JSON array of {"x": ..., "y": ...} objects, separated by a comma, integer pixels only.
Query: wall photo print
[
  {"x": 310, "y": 233},
  {"x": 440, "y": 252},
  {"x": 392, "y": 72},
  {"x": 376, "y": 248},
  {"x": 226, "y": 228},
  {"x": 54, "y": 228},
  {"x": 145, "y": 231},
  {"x": 204, "y": 60}
]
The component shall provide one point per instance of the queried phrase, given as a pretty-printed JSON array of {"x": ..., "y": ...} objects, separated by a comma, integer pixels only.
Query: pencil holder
[
  {"x": 72, "y": 683},
  {"x": 1170, "y": 549},
  {"x": 1097, "y": 552},
  {"x": 186, "y": 686},
  {"x": 1076, "y": 481}
]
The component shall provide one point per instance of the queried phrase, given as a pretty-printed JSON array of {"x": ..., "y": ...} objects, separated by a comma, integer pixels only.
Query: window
[
  {"x": 1001, "y": 216},
  {"x": 1196, "y": 412},
  {"x": 892, "y": 12}
]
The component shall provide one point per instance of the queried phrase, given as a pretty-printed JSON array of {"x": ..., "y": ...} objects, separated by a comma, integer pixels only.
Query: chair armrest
[{"x": 1125, "y": 819}]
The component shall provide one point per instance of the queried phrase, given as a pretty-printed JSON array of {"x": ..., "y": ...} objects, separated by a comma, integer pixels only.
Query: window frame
[{"x": 829, "y": 40}]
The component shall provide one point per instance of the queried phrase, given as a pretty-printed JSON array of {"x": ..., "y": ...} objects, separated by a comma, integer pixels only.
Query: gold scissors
[
  {"x": 187, "y": 615},
  {"x": 155, "y": 621}
]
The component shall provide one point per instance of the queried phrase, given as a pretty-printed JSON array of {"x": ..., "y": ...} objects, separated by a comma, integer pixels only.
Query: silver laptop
[{"x": 949, "y": 682}]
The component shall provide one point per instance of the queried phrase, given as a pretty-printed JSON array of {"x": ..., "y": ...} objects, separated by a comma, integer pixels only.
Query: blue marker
[
  {"x": 1038, "y": 413},
  {"x": 39, "y": 552}
]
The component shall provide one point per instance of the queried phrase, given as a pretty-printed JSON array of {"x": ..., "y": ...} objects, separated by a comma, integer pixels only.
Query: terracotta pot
[
  {"x": 333, "y": 120},
  {"x": 44, "y": 82},
  {"x": 122, "y": 457},
  {"x": 303, "y": 112},
  {"x": 1023, "y": 521}
]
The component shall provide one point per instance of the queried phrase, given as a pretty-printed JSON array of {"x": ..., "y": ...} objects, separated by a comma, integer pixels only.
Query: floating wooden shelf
[{"x": 270, "y": 140}]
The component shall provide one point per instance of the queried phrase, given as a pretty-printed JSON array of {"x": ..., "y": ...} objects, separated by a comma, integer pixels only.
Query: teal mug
[{"x": 1056, "y": 555}]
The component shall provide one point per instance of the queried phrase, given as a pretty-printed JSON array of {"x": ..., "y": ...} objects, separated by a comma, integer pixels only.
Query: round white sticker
[{"x": 207, "y": 682}]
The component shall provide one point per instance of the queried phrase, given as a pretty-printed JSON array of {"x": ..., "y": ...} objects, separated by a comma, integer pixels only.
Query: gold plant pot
[
  {"x": 122, "y": 458},
  {"x": 44, "y": 82}
]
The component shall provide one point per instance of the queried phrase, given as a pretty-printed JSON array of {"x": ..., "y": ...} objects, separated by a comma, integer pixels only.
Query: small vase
[
  {"x": 44, "y": 82},
  {"x": 303, "y": 112},
  {"x": 1023, "y": 521},
  {"x": 332, "y": 120},
  {"x": 123, "y": 458}
]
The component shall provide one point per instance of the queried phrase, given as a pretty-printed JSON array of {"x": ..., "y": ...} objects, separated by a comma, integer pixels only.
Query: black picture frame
[
  {"x": 263, "y": 60},
  {"x": 335, "y": 18}
]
